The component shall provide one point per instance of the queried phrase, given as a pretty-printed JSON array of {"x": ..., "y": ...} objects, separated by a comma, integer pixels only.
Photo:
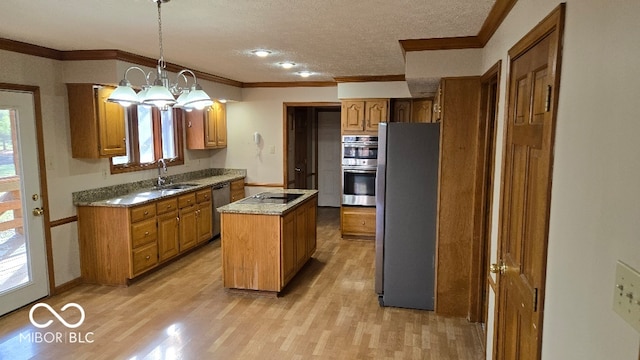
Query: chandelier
[{"x": 162, "y": 93}]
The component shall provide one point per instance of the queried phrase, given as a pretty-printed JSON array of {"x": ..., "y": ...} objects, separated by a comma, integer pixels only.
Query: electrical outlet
[
  {"x": 272, "y": 149},
  {"x": 104, "y": 173},
  {"x": 626, "y": 299}
]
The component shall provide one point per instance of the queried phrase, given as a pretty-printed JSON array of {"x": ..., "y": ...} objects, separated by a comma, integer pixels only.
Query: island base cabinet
[
  {"x": 251, "y": 254},
  {"x": 264, "y": 252}
]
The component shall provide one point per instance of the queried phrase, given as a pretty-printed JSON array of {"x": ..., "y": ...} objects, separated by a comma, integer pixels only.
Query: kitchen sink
[{"x": 178, "y": 186}]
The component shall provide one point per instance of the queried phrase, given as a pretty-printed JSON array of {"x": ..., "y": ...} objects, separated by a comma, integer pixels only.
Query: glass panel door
[{"x": 23, "y": 271}]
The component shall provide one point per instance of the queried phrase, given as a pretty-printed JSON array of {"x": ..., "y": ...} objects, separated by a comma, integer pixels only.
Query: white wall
[
  {"x": 261, "y": 110},
  {"x": 595, "y": 203}
]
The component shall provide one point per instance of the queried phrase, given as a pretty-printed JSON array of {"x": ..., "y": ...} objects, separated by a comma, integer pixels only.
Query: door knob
[
  {"x": 38, "y": 211},
  {"x": 298, "y": 169},
  {"x": 495, "y": 268}
]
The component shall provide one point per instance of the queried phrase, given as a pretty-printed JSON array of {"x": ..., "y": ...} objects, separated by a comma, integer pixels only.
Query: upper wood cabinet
[
  {"x": 422, "y": 110},
  {"x": 207, "y": 129},
  {"x": 97, "y": 127},
  {"x": 412, "y": 110},
  {"x": 363, "y": 116}
]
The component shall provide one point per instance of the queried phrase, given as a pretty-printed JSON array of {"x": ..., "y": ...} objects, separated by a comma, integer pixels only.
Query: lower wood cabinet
[
  {"x": 118, "y": 244},
  {"x": 264, "y": 252},
  {"x": 358, "y": 221},
  {"x": 237, "y": 190}
]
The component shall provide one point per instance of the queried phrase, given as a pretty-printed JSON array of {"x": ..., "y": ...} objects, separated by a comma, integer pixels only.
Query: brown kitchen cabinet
[
  {"x": 358, "y": 221},
  {"x": 237, "y": 190},
  {"x": 168, "y": 234},
  {"x": 363, "y": 116},
  {"x": 204, "y": 214},
  {"x": 412, "y": 110},
  {"x": 458, "y": 102},
  {"x": 187, "y": 224},
  {"x": 276, "y": 245},
  {"x": 97, "y": 127},
  {"x": 207, "y": 129},
  {"x": 118, "y": 244},
  {"x": 422, "y": 110}
]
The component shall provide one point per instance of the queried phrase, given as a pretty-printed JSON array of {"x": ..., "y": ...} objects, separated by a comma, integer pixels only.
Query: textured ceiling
[{"x": 332, "y": 38}]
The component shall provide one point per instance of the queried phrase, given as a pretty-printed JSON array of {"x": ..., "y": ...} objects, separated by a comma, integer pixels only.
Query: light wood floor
[{"x": 329, "y": 311}]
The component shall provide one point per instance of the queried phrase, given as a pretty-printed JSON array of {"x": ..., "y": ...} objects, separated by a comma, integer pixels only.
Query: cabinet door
[
  {"x": 376, "y": 112},
  {"x": 168, "y": 235},
  {"x": 301, "y": 236},
  {"x": 187, "y": 226},
  {"x": 221, "y": 124},
  {"x": 311, "y": 216},
  {"x": 352, "y": 115},
  {"x": 402, "y": 110},
  {"x": 288, "y": 247},
  {"x": 210, "y": 136},
  {"x": 422, "y": 110},
  {"x": 204, "y": 221},
  {"x": 111, "y": 124}
]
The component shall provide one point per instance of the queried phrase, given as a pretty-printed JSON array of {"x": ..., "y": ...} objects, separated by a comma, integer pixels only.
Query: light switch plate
[{"x": 626, "y": 299}]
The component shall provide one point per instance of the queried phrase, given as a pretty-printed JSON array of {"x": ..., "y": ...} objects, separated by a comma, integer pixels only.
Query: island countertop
[{"x": 239, "y": 207}]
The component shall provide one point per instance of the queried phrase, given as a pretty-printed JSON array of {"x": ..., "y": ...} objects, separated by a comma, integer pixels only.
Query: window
[{"x": 151, "y": 135}]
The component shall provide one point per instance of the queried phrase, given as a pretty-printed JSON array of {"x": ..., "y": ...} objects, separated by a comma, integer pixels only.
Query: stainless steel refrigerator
[{"x": 406, "y": 207}]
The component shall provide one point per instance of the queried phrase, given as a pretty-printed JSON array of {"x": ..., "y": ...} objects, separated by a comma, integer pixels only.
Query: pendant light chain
[{"x": 161, "y": 59}]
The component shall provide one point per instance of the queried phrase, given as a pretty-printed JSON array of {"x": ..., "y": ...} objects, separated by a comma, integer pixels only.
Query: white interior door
[
  {"x": 329, "y": 182},
  {"x": 23, "y": 268}
]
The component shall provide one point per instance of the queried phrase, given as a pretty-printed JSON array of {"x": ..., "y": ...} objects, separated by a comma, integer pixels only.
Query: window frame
[{"x": 133, "y": 138}]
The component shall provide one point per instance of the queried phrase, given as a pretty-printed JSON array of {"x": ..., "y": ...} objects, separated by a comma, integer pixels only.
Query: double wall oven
[{"x": 359, "y": 163}]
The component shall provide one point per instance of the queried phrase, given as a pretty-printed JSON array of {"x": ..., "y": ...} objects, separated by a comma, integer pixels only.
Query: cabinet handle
[
  {"x": 168, "y": 206},
  {"x": 148, "y": 257},
  {"x": 146, "y": 233},
  {"x": 146, "y": 212},
  {"x": 178, "y": 219},
  {"x": 364, "y": 222}
]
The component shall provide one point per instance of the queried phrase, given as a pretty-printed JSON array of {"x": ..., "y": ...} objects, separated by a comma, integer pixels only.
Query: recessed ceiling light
[
  {"x": 222, "y": 101},
  {"x": 287, "y": 64},
  {"x": 304, "y": 74},
  {"x": 261, "y": 52}
]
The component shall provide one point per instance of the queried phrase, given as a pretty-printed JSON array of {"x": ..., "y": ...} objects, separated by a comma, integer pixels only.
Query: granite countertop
[
  {"x": 241, "y": 207},
  {"x": 128, "y": 195}
]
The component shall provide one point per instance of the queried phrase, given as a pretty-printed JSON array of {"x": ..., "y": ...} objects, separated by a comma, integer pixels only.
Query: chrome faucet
[{"x": 161, "y": 165}]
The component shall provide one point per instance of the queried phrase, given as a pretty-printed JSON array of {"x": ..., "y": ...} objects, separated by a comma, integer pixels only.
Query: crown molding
[
  {"x": 289, "y": 84},
  {"x": 373, "y": 78},
  {"x": 496, "y": 16}
]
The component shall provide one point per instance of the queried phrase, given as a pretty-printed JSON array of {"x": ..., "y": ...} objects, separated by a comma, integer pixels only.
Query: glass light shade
[
  {"x": 158, "y": 96},
  {"x": 182, "y": 99},
  {"x": 124, "y": 94},
  {"x": 197, "y": 99}
]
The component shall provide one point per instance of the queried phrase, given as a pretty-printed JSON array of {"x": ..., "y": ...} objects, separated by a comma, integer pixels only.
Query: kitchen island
[{"x": 267, "y": 238}]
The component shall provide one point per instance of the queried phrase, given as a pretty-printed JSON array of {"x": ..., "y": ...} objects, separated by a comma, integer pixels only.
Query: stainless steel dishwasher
[{"x": 221, "y": 196}]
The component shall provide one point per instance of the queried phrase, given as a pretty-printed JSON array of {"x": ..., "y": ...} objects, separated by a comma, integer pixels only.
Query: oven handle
[
  {"x": 359, "y": 170},
  {"x": 361, "y": 144}
]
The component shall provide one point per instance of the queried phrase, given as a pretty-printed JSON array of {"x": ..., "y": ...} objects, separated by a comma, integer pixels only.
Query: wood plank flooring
[{"x": 328, "y": 311}]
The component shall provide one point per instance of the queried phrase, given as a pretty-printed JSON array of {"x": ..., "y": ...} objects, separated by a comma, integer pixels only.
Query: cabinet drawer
[
  {"x": 143, "y": 232},
  {"x": 143, "y": 212},
  {"x": 165, "y": 206},
  {"x": 358, "y": 221},
  {"x": 145, "y": 258},
  {"x": 203, "y": 195},
  {"x": 186, "y": 200}
]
